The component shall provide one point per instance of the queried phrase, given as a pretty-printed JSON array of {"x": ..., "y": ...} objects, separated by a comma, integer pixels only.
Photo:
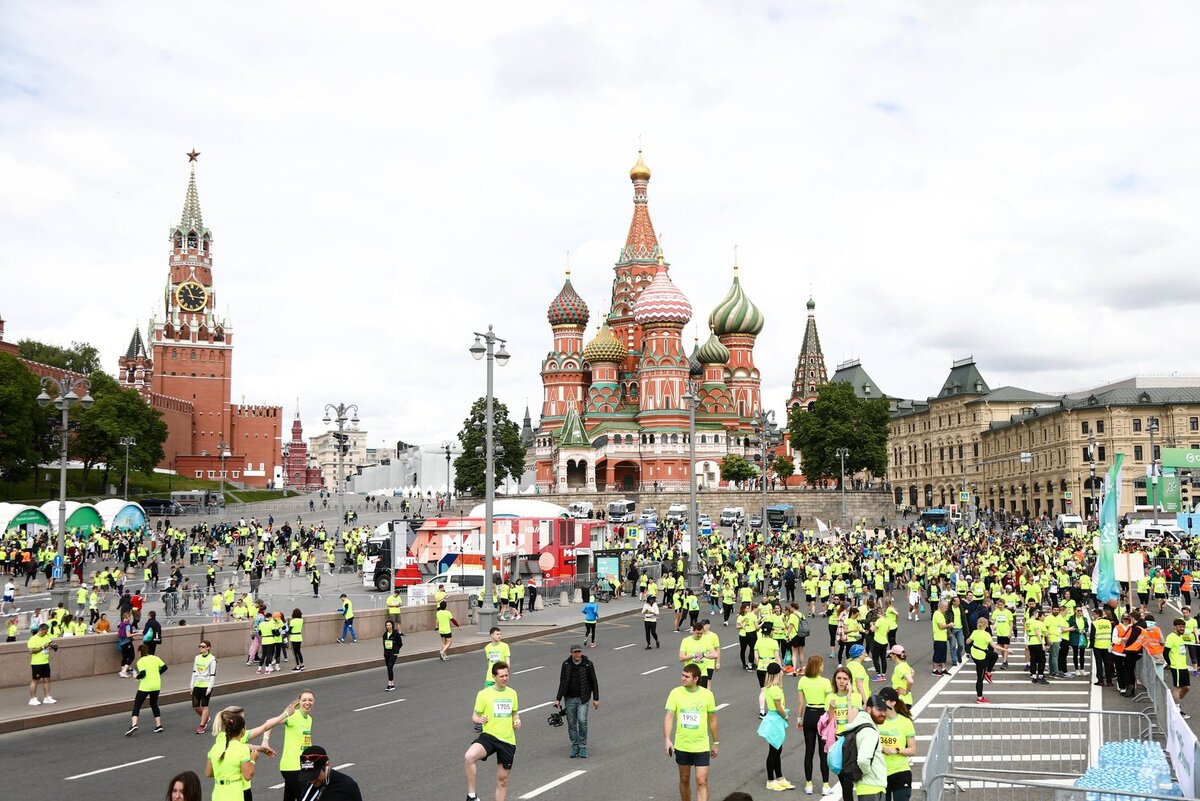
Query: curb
[{"x": 250, "y": 683}]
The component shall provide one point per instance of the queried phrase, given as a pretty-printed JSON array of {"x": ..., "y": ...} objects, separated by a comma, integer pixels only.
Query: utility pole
[
  {"x": 342, "y": 413},
  {"x": 843, "y": 454},
  {"x": 126, "y": 442}
]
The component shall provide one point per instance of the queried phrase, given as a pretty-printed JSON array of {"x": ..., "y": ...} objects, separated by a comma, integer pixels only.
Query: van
[
  {"x": 1149, "y": 531},
  {"x": 161, "y": 507},
  {"x": 1070, "y": 523},
  {"x": 580, "y": 510},
  {"x": 732, "y": 514},
  {"x": 467, "y": 579},
  {"x": 677, "y": 512}
]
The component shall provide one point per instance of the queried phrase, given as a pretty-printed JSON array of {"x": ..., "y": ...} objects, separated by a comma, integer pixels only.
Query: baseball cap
[
  {"x": 898, "y": 650},
  {"x": 312, "y": 761},
  {"x": 889, "y": 694},
  {"x": 876, "y": 701},
  {"x": 576, "y": 647},
  {"x": 856, "y": 651}
]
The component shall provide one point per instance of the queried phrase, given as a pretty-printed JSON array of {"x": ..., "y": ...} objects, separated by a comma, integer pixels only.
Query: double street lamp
[
  {"x": 65, "y": 396},
  {"x": 1153, "y": 429},
  {"x": 1092, "y": 481},
  {"x": 342, "y": 413},
  {"x": 842, "y": 455},
  {"x": 446, "y": 447},
  {"x": 126, "y": 442},
  {"x": 485, "y": 345},
  {"x": 692, "y": 398},
  {"x": 223, "y": 453},
  {"x": 764, "y": 426}
]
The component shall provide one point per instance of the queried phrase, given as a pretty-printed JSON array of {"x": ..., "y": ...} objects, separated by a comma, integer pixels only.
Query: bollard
[
  {"x": 578, "y": 596},
  {"x": 564, "y": 598}
]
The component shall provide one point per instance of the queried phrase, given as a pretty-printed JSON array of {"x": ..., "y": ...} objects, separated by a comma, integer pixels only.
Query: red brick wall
[{"x": 257, "y": 439}]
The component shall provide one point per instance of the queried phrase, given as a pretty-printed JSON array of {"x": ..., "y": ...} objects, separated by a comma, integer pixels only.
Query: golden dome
[{"x": 640, "y": 171}]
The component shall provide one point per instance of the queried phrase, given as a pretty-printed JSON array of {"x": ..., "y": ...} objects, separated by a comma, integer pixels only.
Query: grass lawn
[{"x": 140, "y": 485}]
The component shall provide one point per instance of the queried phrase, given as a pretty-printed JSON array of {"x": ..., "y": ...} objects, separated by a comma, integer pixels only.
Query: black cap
[
  {"x": 312, "y": 761},
  {"x": 877, "y": 702},
  {"x": 889, "y": 694},
  {"x": 576, "y": 647}
]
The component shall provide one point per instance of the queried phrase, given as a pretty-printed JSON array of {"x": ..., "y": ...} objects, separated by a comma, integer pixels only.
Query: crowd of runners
[{"x": 822, "y": 612}]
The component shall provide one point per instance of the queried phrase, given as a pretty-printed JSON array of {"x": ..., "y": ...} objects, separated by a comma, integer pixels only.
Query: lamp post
[
  {"x": 1153, "y": 429},
  {"x": 763, "y": 424},
  {"x": 842, "y": 454},
  {"x": 1092, "y": 470},
  {"x": 65, "y": 397},
  {"x": 341, "y": 413},
  {"x": 446, "y": 447},
  {"x": 692, "y": 398},
  {"x": 126, "y": 442},
  {"x": 223, "y": 453},
  {"x": 485, "y": 345}
]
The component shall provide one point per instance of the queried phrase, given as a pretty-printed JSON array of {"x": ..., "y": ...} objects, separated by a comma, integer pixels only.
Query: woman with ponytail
[
  {"x": 230, "y": 761},
  {"x": 898, "y": 739}
]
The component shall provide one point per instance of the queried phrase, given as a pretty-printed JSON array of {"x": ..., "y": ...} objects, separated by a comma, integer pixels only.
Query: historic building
[
  {"x": 323, "y": 448},
  {"x": 615, "y": 410},
  {"x": 1025, "y": 453},
  {"x": 184, "y": 368},
  {"x": 298, "y": 472},
  {"x": 810, "y": 366}
]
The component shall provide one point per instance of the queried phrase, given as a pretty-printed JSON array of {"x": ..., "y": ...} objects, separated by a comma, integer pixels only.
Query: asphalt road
[{"x": 410, "y": 742}]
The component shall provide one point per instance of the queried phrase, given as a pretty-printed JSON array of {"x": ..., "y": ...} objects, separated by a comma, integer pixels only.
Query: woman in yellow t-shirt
[
  {"x": 815, "y": 690},
  {"x": 772, "y": 702},
  {"x": 844, "y": 705},
  {"x": 230, "y": 761},
  {"x": 747, "y": 629},
  {"x": 149, "y": 674}
]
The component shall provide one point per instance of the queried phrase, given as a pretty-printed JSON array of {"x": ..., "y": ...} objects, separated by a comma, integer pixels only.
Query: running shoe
[
  {"x": 982, "y": 701},
  {"x": 785, "y": 784},
  {"x": 339, "y": 639},
  {"x": 774, "y": 786},
  {"x": 647, "y": 647},
  {"x": 808, "y": 790},
  {"x": 1098, "y": 683},
  {"x": 34, "y": 702},
  {"x": 880, "y": 678},
  {"x": 987, "y": 677},
  {"x": 48, "y": 700},
  {"x": 200, "y": 729},
  {"x": 132, "y": 731},
  {"x": 158, "y": 729}
]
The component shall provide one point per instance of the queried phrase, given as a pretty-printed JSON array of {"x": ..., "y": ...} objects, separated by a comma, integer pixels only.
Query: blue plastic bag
[{"x": 834, "y": 755}]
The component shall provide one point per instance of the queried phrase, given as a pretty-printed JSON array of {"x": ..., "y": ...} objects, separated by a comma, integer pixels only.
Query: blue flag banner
[{"x": 1107, "y": 587}]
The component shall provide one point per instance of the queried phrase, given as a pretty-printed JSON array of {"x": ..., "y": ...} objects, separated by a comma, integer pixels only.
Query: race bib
[
  {"x": 502, "y": 709},
  {"x": 493, "y": 656},
  {"x": 689, "y": 720},
  {"x": 841, "y": 713},
  {"x": 890, "y": 741},
  {"x": 307, "y": 741}
]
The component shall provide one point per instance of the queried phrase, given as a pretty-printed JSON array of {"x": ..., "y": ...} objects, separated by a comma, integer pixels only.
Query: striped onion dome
[
  {"x": 604, "y": 347},
  {"x": 712, "y": 351},
  {"x": 736, "y": 314},
  {"x": 568, "y": 308},
  {"x": 662, "y": 302},
  {"x": 695, "y": 368}
]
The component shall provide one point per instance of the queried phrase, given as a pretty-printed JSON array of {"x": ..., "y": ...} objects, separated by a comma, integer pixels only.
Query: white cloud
[{"x": 1015, "y": 180}]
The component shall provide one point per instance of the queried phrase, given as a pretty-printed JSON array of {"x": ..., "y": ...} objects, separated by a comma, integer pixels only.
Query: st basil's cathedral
[{"x": 614, "y": 412}]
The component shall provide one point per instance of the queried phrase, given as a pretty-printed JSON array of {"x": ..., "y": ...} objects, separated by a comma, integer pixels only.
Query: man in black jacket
[
  {"x": 318, "y": 780},
  {"x": 577, "y": 683}
]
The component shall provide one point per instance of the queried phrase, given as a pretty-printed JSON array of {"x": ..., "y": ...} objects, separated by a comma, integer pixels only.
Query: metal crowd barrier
[
  {"x": 976, "y": 788},
  {"x": 1182, "y": 745},
  {"x": 1011, "y": 742}
]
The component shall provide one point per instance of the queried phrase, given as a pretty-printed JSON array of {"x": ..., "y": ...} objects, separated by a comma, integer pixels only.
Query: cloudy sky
[{"x": 1018, "y": 181}]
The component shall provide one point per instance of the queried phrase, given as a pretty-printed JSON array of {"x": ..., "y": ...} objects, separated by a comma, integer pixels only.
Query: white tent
[{"x": 521, "y": 507}]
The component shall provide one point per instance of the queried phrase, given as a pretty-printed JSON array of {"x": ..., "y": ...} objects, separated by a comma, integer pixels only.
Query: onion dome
[
  {"x": 812, "y": 304},
  {"x": 640, "y": 171},
  {"x": 736, "y": 314},
  {"x": 662, "y": 302},
  {"x": 695, "y": 368},
  {"x": 604, "y": 347},
  {"x": 712, "y": 351},
  {"x": 568, "y": 308}
]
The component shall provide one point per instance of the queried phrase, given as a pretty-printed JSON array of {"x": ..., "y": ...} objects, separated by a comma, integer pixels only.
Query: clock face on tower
[{"x": 191, "y": 296}]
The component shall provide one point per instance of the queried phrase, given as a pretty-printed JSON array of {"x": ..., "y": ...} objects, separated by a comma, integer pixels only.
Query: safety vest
[
  {"x": 1154, "y": 641},
  {"x": 1103, "y": 628},
  {"x": 1118, "y": 641},
  {"x": 1137, "y": 644}
]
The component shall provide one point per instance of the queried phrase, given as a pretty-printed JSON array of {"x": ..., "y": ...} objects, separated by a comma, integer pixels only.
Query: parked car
[
  {"x": 648, "y": 515},
  {"x": 756, "y": 521},
  {"x": 161, "y": 507}
]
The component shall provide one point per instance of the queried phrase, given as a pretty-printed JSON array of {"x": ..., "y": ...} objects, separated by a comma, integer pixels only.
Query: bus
[
  {"x": 935, "y": 519},
  {"x": 779, "y": 515},
  {"x": 622, "y": 511}
]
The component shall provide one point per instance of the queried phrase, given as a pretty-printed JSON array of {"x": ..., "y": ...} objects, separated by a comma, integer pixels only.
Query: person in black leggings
[
  {"x": 746, "y": 641},
  {"x": 650, "y": 619},
  {"x": 814, "y": 691}
]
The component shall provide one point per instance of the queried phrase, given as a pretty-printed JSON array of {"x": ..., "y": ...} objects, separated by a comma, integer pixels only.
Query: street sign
[
  {"x": 965, "y": 497},
  {"x": 1068, "y": 495},
  {"x": 1185, "y": 458},
  {"x": 57, "y": 573}
]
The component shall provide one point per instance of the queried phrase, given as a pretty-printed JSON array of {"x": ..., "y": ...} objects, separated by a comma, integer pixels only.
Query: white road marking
[
  {"x": 335, "y": 767},
  {"x": 551, "y": 785},
  {"x": 114, "y": 767},
  {"x": 655, "y": 670},
  {"x": 1004, "y": 692},
  {"x": 727, "y": 647},
  {"x": 1001, "y": 706},
  {"x": 722, "y": 706},
  {"x": 623, "y": 647},
  {"x": 531, "y": 708},
  {"x": 376, "y": 706},
  {"x": 528, "y": 670}
]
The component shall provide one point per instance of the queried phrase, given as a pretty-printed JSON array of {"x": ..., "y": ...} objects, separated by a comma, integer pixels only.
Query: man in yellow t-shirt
[
  {"x": 40, "y": 645},
  {"x": 690, "y": 731},
  {"x": 496, "y": 710}
]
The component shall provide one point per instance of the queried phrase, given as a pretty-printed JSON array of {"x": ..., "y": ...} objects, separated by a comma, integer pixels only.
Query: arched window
[
  {"x": 703, "y": 439},
  {"x": 716, "y": 439},
  {"x": 651, "y": 439},
  {"x": 674, "y": 439},
  {"x": 191, "y": 239},
  {"x": 207, "y": 248},
  {"x": 178, "y": 241}
]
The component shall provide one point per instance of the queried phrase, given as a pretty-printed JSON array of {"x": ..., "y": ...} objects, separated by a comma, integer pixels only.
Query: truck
[
  {"x": 388, "y": 562},
  {"x": 621, "y": 511},
  {"x": 581, "y": 510},
  {"x": 779, "y": 515},
  {"x": 194, "y": 501},
  {"x": 733, "y": 514}
]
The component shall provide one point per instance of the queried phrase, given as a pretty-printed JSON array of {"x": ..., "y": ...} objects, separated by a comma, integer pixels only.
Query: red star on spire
[{"x": 193, "y": 155}]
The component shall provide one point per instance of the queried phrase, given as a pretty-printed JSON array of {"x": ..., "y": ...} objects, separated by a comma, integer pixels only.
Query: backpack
[
  {"x": 847, "y": 748},
  {"x": 803, "y": 629}
]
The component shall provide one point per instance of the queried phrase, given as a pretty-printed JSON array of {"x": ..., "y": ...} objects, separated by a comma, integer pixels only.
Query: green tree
[
  {"x": 469, "y": 475},
  {"x": 22, "y": 424},
  {"x": 117, "y": 413},
  {"x": 783, "y": 467},
  {"x": 736, "y": 468},
  {"x": 80, "y": 357},
  {"x": 841, "y": 419}
]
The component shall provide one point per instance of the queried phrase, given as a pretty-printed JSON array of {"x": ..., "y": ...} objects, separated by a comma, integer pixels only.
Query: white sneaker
[
  {"x": 34, "y": 702},
  {"x": 49, "y": 700}
]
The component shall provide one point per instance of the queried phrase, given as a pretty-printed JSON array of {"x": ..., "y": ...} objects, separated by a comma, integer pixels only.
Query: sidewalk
[{"x": 103, "y": 695}]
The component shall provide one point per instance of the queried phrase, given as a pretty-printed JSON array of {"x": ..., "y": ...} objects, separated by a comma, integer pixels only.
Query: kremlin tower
[{"x": 614, "y": 414}]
